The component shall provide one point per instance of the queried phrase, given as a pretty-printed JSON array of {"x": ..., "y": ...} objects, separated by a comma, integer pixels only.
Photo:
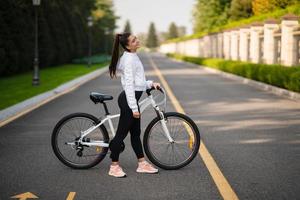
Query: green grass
[
  {"x": 15, "y": 89},
  {"x": 277, "y": 75},
  {"x": 96, "y": 58}
]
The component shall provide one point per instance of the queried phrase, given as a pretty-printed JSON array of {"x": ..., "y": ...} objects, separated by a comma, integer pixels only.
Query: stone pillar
[
  {"x": 181, "y": 47},
  {"x": 289, "y": 44},
  {"x": 207, "y": 46},
  {"x": 270, "y": 45},
  {"x": 201, "y": 48},
  {"x": 220, "y": 45},
  {"x": 234, "y": 44},
  {"x": 215, "y": 45},
  {"x": 184, "y": 47},
  {"x": 244, "y": 43},
  {"x": 173, "y": 48},
  {"x": 210, "y": 45},
  {"x": 226, "y": 44},
  {"x": 256, "y": 30},
  {"x": 162, "y": 48},
  {"x": 176, "y": 48}
]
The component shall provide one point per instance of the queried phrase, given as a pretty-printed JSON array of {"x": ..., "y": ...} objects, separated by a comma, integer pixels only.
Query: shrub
[{"x": 277, "y": 75}]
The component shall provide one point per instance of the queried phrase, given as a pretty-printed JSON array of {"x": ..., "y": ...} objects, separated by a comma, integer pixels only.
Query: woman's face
[{"x": 133, "y": 43}]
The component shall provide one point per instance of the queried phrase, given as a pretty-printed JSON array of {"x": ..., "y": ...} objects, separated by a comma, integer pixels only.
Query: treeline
[
  {"x": 208, "y": 14},
  {"x": 63, "y": 32}
]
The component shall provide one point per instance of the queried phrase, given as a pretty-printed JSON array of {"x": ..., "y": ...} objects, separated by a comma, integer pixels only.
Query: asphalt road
[{"x": 253, "y": 136}]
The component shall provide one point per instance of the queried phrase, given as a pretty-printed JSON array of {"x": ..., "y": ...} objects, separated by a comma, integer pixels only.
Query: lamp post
[
  {"x": 90, "y": 24},
  {"x": 36, "y": 78}
]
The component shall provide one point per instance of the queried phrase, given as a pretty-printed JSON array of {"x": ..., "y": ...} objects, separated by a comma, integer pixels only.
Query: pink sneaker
[
  {"x": 145, "y": 167},
  {"x": 116, "y": 171}
]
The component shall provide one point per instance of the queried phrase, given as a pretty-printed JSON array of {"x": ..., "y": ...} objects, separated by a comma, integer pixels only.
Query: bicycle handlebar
[
  {"x": 162, "y": 102},
  {"x": 152, "y": 88}
]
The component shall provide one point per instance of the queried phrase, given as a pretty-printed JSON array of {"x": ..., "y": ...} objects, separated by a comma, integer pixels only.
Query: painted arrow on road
[{"x": 24, "y": 196}]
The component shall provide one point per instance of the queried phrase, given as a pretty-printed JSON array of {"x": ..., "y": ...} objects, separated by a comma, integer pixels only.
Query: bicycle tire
[
  {"x": 147, "y": 141},
  {"x": 57, "y": 151}
]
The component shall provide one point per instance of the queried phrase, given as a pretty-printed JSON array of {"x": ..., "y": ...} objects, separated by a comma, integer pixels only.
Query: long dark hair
[{"x": 121, "y": 38}]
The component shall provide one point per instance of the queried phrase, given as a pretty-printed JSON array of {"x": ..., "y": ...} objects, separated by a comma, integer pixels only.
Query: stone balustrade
[{"x": 271, "y": 42}]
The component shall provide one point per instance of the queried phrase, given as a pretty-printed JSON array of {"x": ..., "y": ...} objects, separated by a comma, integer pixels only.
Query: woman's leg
[
  {"x": 126, "y": 123},
  {"x": 126, "y": 120},
  {"x": 135, "y": 132}
]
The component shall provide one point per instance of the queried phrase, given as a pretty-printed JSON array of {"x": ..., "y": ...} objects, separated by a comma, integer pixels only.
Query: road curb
[
  {"x": 263, "y": 86},
  {"x": 13, "y": 112}
]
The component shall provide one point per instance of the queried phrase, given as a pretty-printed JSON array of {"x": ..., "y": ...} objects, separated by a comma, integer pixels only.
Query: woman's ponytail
[
  {"x": 119, "y": 39},
  {"x": 115, "y": 57}
]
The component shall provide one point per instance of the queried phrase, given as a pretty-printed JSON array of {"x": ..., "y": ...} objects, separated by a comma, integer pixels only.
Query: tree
[
  {"x": 181, "y": 30},
  {"x": 240, "y": 9},
  {"x": 127, "y": 27},
  {"x": 209, "y": 13},
  {"x": 264, "y": 6},
  {"x": 104, "y": 25},
  {"x": 284, "y": 3},
  {"x": 173, "y": 32},
  {"x": 152, "y": 37},
  {"x": 63, "y": 32}
]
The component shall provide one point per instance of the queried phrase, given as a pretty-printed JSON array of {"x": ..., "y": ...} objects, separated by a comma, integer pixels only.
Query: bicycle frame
[{"x": 149, "y": 100}]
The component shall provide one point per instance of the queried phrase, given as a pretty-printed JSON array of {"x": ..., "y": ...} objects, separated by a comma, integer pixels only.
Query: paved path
[{"x": 253, "y": 136}]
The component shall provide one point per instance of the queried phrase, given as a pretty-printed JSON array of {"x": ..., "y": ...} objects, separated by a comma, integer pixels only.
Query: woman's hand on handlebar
[{"x": 156, "y": 85}]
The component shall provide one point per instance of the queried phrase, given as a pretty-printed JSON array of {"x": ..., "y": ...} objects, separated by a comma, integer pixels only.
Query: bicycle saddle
[{"x": 97, "y": 97}]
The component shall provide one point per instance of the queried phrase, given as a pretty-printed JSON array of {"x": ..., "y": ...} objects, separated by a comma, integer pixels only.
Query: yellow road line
[
  {"x": 221, "y": 182},
  {"x": 71, "y": 196},
  {"x": 4, "y": 122}
]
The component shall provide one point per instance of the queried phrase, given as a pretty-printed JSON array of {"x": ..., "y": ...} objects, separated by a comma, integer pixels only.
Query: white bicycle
[{"x": 171, "y": 140}]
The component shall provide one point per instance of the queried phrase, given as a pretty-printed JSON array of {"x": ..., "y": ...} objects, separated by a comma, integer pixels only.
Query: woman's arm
[{"x": 129, "y": 86}]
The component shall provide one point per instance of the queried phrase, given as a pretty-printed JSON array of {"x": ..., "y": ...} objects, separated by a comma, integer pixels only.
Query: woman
[{"x": 134, "y": 83}]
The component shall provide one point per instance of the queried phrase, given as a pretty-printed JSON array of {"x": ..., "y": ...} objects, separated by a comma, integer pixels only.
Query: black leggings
[{"x": 127, "y": 123}]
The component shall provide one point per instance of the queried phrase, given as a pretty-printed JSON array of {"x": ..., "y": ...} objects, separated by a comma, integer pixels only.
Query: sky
[{"x": 162, "y": 12}]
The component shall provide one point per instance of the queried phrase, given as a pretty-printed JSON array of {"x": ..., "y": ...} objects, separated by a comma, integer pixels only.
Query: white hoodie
[{"x": 132, "y": 77}]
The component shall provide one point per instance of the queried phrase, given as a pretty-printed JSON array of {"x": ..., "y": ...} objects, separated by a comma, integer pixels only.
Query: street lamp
[
  {"x": 90, "y": 24},
  {"x": 36, "y": 78}
]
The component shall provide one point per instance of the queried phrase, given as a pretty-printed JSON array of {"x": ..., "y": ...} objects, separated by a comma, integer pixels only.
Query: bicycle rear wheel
[
  {"x": 172, "y": 155},
  {"x": 68, "y": 130}
]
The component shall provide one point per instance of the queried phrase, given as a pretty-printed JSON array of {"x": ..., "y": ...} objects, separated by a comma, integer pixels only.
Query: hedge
[{"x": 277, "y": 75}]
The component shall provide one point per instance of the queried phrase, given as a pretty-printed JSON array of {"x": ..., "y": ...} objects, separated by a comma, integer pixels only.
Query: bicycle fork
[
  {"x": 163, "y": 123},
  {"x": 166, "y": 130}
]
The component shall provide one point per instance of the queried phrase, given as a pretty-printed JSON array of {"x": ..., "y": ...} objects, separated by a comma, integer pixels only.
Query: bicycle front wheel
[
  {"x": 172, "y": 155},
  {"x": 65, "y": 143}
]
